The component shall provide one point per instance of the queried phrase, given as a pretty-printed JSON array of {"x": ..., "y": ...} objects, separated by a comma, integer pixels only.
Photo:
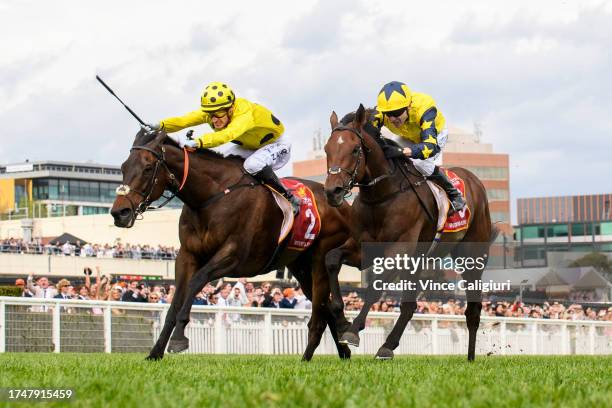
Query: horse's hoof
[
  {"x": 350, "y": 339},
  {"x": 177, "y": 346},
  {"x": 154, "y": 357},
  {"x": 384, "y": 353}
]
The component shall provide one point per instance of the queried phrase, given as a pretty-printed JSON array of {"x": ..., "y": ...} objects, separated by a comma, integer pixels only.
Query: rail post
[
  {"x": 2, "y": 326},
  {"x": 56, "y": 331},
  {"x": 108, "y": 329}
]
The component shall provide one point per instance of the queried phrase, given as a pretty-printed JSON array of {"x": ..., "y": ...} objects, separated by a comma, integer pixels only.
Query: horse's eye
[
  {"x": 356, "y": 150},
  {"x": 148, "y": 169}
]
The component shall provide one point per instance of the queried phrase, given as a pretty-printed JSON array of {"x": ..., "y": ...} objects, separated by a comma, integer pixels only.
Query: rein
[
  {"x": 353, "y": 174},
  {"x": 145, "y": 204}
]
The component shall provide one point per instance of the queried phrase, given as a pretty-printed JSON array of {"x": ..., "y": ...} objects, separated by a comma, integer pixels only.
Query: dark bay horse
[
  {"x": 395, "y": 205},
  {"x": 229, "y": 227}
]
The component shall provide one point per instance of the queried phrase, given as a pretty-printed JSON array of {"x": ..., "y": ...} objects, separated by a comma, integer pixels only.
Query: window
[
  {"x": 606, "y": 228},
  {"x": 560, "y": 230},
  {"x": 489, "y": 173},
  {"x": 497, "y": 194},
  {"x": 499, "y": 216},
  {"x": 533, "y": 231}
]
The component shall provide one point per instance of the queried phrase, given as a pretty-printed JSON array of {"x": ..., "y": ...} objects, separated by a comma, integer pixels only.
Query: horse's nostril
[{"x": 125, "y": 212}]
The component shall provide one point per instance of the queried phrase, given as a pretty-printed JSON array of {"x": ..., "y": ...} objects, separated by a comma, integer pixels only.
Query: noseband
[{"x": 334, "y": 170}]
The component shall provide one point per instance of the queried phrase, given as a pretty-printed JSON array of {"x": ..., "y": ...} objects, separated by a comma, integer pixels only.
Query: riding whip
[{"x": 126, "y": 107}]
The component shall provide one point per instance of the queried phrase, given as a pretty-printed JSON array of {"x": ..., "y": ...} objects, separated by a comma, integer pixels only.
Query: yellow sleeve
[
  {"x": 239, "y": 125},
  {"x": 194, "y": 118}
]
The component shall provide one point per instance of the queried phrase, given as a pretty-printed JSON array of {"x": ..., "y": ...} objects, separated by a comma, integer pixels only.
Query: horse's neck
[
  {"x": 207, "y": 175},
  {"x": 377, "y": 166}
]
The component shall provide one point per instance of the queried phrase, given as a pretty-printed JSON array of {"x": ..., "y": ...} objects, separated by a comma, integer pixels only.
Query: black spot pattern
[
  {"x": 220, "y": 93},
  {"x": 266, "y": 137},
  {"x": 213, "y": 99},
  {"x": 223, "y": 85},
  {"x": 275, "y": 120},
  {"x": 214, "y": 87},
  {"x": 205, "y": 93}
]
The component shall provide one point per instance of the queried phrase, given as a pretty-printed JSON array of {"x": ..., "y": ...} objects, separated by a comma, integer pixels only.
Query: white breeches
[{"x": 275, "y": 155}]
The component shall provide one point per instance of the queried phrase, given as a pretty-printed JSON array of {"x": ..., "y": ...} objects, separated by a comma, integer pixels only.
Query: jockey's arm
[
  {"x": 428, "y": 147},
  {"x": 193, "y": 118},
  {"x": 239, "y": 125}
]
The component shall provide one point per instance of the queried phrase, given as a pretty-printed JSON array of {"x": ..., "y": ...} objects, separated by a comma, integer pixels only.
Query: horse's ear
[
  {"x": 360, "y": 117},
  {"x": 333, "y": 120},
  {"x": 159, "y": 137}
]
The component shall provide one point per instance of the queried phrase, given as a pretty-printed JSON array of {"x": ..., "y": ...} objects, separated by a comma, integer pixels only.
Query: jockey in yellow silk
[
  {"x": 254, "y": 131},
  {"x": 421, "y": 131}
]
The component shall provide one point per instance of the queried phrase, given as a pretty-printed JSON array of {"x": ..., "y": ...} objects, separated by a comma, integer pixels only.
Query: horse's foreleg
[
  {"x": 385, "y": 352},
  {"x": 219, "y": 265},
  {"x": 185, "y": 266},
  {"x": 351, "y": 336},
  {"x": 334, "y": 259}
]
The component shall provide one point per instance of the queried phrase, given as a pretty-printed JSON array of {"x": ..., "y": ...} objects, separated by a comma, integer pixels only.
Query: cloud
[{"x": 536, "y": 74}]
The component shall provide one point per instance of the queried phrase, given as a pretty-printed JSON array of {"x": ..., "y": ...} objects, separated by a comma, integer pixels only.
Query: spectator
[
  {"x": 154, "y": 297},
  {"x": 289, "y": 300},
  {"x": 302, "y": 301},
  {"x": 133, "y": 294},
  {"x": 41, "y": 289},
  {"x": 277, "y": 297},
  {"x": 223, "y": 296},
  {"x": 25, "y": 292},
  {"x": 63, "y": 286},
  {"x": 236, "y": 299}
]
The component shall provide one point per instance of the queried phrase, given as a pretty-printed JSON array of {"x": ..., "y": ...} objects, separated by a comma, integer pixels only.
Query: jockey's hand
[
  {"x": 393, "y": 152},
  {"x": 192, "y": 144},
  {"x": 153, "y": 127}
]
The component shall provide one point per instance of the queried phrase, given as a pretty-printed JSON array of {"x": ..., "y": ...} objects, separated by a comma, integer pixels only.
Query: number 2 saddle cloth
[{"x": 301, "y": 231}]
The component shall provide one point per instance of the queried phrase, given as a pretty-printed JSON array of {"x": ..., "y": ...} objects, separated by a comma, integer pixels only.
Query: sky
[{"x": 536, "y": 75}]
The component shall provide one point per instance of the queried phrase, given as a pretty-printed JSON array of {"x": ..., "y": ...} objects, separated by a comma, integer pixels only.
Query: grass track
[{"x": 126, "y": 380}]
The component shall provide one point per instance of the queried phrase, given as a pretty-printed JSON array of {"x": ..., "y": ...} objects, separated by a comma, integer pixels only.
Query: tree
[{"x": 597, "y": 260}]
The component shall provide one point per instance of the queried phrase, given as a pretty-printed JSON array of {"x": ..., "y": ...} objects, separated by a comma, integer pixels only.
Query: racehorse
[
  {"x": 229, "y": 227},
  {"x": 395, "y": 205}
]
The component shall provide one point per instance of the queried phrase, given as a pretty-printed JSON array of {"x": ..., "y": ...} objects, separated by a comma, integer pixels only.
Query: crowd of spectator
[
  {"x": 86, "y": 249},
  {"x": 100, "y": 287},
  {"x": 500, "y": 308},
  {"x": 242, "y": 293}
]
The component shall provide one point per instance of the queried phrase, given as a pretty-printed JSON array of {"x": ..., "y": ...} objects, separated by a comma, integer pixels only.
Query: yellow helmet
[
  {"x": 393, "y": 96},
  {"x": 217, "y": 95}
]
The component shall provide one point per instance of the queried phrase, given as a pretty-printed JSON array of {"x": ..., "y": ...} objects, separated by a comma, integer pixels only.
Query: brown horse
[
  {"x": 395, "y": 205},
  {"x": 229, "y": 227}
]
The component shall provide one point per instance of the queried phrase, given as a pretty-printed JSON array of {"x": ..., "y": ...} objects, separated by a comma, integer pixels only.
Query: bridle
[
  {"x": 145, "y": 204},
  {"x": 361, "y": 153}
]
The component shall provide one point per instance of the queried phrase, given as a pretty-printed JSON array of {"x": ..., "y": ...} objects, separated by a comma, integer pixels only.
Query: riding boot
[
  {"x": 268, "y": 176},
  {"x": 456, "y": 199}
]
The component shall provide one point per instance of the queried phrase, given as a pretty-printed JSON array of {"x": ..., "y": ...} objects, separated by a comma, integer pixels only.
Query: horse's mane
[
  {"x": 143, "y": 138},
  {"x": 369, "y": 127}
]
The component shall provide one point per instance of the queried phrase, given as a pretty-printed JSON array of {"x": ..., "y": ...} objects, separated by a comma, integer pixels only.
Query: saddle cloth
[
  {"x": 303, "y": 230},
  {"x": 458, "y": 221}
]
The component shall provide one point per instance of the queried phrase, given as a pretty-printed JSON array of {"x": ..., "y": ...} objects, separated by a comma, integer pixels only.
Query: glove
[
  {"x": 192, "y": 144},
  {"x": 153, "y": 127},
  {"x": 393, "y": 152}
]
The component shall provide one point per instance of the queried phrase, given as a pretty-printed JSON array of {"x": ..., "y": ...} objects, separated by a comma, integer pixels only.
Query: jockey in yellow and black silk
[
  {"x": 420, "y": 128},
  {"x": 256, "y": 134}
]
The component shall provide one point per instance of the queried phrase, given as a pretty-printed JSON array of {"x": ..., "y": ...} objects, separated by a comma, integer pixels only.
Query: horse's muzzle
[
  {"x": 124, "y": 217},
  {"x": 334, "y": 196}
]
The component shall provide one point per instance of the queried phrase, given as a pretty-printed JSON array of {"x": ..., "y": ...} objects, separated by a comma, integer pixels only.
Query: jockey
[
  {"x": 422, "y": 133},
  {"x": 256, "y": 133}
]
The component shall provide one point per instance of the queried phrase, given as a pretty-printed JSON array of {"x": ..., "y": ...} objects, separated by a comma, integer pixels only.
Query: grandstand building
[
  {"x": 52, "y": 188},
  {"x": 570, "y": 224}
]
